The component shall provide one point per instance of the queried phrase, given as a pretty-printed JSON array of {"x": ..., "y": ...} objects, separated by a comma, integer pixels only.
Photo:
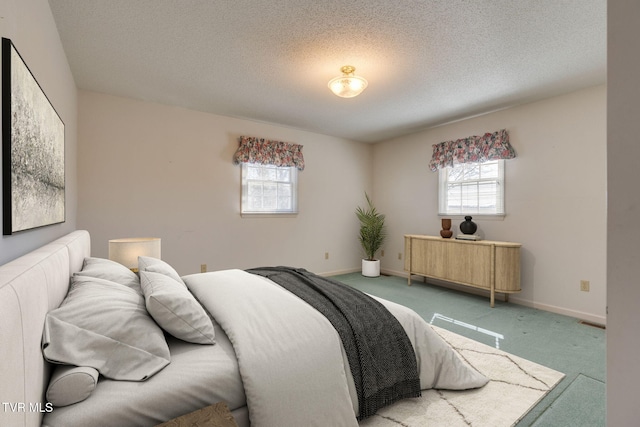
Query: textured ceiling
[{"x": 428, "y": 62}]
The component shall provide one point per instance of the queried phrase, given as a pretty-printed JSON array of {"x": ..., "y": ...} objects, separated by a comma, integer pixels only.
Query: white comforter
[{"x": 291, "y": 361}]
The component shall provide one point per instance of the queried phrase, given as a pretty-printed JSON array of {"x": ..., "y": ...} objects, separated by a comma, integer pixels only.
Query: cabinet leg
[
  {"x": 506, "y": 297},
  {"x": 409, "y": 280},
  {"x": 493, "y": 298}
]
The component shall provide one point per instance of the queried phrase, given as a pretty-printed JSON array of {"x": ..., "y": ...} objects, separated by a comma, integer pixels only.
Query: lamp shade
[
  {"x": 348, "y": 84},
  {"x": 126, "y": 251}
]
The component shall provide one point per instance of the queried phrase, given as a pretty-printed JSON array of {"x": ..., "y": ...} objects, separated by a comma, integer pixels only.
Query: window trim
[
  {"x": 268, "y": 213},
  {"x": 442, "y": 201}
]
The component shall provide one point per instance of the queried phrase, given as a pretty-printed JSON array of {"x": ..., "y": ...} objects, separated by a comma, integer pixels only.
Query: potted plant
[{"x": 372, "y": 236}]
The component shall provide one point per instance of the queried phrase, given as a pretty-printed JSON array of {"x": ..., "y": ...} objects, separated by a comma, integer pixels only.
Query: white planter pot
[{"x": 371, "y": 268}]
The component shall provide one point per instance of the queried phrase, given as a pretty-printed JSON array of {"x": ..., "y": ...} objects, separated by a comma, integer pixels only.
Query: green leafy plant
[{"x": 372, "y": 229}]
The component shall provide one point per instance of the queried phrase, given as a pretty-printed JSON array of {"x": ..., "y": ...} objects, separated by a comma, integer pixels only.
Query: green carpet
[
  {"x": 553, "y": 340},
  {"x": 570, "y": 410}
]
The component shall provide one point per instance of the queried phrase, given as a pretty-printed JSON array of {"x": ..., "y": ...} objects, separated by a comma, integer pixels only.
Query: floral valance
[
  {"x": 474, "y": 149},
  {"x": 265, "y": 152}
]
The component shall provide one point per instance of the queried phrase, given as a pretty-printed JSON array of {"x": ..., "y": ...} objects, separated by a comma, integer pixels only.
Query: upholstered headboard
[{"x": 30, "y": 286}]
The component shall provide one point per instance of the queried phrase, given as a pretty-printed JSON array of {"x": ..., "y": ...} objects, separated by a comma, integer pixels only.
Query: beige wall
[
  {"x": 152, "y": 170},
  {"x": 555, "y": 196},
  {"x": 623, "y": 255},
  {"x": 30, "y": 26},
  {"x": 149, "y": 169}
]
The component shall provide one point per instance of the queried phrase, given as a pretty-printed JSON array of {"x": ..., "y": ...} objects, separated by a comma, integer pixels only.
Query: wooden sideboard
[{"x": 484, "y": 264}]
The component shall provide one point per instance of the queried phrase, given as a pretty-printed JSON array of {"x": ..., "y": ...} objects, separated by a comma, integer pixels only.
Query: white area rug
[{"x": 516, "y": 386}]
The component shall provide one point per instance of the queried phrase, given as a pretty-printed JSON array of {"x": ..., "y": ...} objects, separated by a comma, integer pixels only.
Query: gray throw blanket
[{"x": 380, "y": 355}]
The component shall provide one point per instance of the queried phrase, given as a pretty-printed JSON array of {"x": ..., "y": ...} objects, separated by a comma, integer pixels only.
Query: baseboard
[
  {"x": 393, "y": 273},
  {"x": 338, "y": 272},
  {"x": 593, "y": 318},
  {"x": 599, "y": 320}
]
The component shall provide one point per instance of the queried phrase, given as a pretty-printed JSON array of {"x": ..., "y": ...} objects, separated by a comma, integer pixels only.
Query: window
[
  {"x": 472, "y": 189},
  {"x": 268, "y": 189}
]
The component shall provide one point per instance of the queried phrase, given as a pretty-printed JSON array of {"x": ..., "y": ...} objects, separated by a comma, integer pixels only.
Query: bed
[{"x": 272, "y": 357}]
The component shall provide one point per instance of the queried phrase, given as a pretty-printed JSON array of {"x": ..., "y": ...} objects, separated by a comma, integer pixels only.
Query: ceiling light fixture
[{"x": 348, "y": 84}]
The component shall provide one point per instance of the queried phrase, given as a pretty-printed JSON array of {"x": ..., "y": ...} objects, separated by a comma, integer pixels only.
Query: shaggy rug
[{"x": 516, "y": 386}]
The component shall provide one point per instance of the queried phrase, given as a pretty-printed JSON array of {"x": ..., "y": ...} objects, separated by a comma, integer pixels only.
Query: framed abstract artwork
[{"x": 33, "y": 175}]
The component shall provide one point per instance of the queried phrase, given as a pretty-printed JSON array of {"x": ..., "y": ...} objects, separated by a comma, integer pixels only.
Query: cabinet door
[
  {"x": 508, "y": 269},
  {"x": 426, "y": 257},
  {"x": 433, "y": 257},
  {"x": 469, "y": 264}
]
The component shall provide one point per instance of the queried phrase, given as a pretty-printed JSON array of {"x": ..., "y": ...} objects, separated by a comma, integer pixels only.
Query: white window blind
[
  {"x": 472, "y": 189},
  {"x": 269, "y": 189}
]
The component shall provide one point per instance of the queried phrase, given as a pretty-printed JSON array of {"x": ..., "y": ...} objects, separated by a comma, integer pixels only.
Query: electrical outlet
[
  {"x": 584, "y": 285},
  {"x": 326, "y": 255},
  {"x": 399, "y": 255},
  {"x": 382, "y": 252},
  {"x": 203, "y": 268}
]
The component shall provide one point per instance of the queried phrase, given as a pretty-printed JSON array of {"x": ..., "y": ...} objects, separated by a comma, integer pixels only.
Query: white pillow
[
  {"x": 156, "y": 265},
  {"x": 106, "y": 326},
  {"x": 175, "y": 309},
  {"x": 109, "y": 270},
  {"x": 71, "y": 384}
]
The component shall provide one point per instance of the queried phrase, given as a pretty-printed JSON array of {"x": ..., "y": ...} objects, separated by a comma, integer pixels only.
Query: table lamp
[{"x": 126, "y": 251}]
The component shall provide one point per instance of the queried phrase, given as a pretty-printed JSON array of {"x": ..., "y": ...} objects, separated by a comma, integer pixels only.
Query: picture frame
[{"x": 33, "y": 150}]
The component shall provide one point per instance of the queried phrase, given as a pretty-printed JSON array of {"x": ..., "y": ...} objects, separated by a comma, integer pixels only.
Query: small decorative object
[
  {"x": 446, "y": 228},
  {"x": 33, "y": 178},
  {"x": 468, "y": 226}
]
